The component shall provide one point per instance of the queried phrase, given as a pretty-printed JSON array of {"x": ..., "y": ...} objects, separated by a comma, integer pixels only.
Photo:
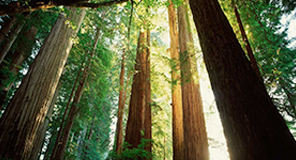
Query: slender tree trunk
[
  {"x": 195, "y": 134},
  {"x": 11, "y": 38},
  {"x": 6, "y": 27},
  {"x": 147, "y": 113},
  {"x": 252, "y": 125},
  {"x": 246, "y": 40},
  {"x": 62, "y": 144},
  {"x": 57, "y": 140},
  {"x": 18, "y": 57},
  {"x": 26, "y": 112},
  {"x": 178, "y": 138},
  {"x": 135, "y": 122},
  {"x": 119, "y": 134}
]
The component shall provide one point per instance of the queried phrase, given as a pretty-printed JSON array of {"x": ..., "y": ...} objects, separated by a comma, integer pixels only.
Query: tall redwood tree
[
  {"x": 252, "y": 125},
  {"x": 26, "y": 111}
]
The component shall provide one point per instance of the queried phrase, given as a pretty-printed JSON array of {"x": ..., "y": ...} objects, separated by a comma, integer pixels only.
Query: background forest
[{"x": 129, "y": 79}]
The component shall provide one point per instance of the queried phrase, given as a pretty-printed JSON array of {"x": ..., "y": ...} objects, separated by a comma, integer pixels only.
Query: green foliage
[{"x": 134, "y": 153}]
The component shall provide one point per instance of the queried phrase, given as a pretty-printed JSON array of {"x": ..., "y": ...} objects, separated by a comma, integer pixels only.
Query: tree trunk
[
  {"x": 135, "y": 122},
  {"x": 18, "y": 57},
  {"x": 178, "y": 138},
  {"x": 10, "y": 39},
  {"x": 119, "y": 134},
  {"x": 62, "y": 144},
  {"x": 6, "y": 27},
  {"x": 26, "y": 112},
  {"x": 247, "y": 43},
  {"x": 195, "y": 134},
  {"x": 40, "y": 134},
  {"x": 57, "y": 140},
  {"x": 147, "y": 112},
  {"x": 252, "y": 125}
]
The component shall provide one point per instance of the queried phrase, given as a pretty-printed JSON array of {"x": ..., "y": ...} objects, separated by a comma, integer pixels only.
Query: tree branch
[{"x": 17, "y": 7}]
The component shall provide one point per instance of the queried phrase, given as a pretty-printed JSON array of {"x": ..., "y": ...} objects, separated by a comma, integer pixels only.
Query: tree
[
  {"x": 18, "y": 57},
  {"x": 135, "y": 123},
  {"x": 252, "y": 125},
  {"x": 195, "y": 134},
  {"x": 11, "y": 38},
  {"x": 178, "y": 138},
  {"x": 63, "y": 141},
  {"x": 26, "y": 112},
  {"x": 119, "y": 130}
]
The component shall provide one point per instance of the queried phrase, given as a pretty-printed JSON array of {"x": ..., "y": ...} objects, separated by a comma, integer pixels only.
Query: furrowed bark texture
[
  {"x": 147, "y": 113},
  {"x": 61, "y": 146},
  {"x": 40, "y": 135},
  {"x": 135, "y": 122},
  {"x": 26, "y": 112},
  {"x": 18, "y": 57},
  {"x": 119, "y": 134},
  {"x": 178, "y": 138},
  {"x": 252, "y": 125},
  {"x": 195, "y": 134}
]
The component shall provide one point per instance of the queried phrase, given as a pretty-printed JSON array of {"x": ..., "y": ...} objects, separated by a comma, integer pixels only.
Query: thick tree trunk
[
  {"x": 10, "y": 39},
  {"x": 119, "y": 134},
  {"x": 18, "y": 57},
  {"x": 252, "y": 125},
  {"x": 147, "y": 113},
  {"x": 135, "y": 122},
  {"x": 40, "y": 134},
  {"x": 178, "y": 138},
  {"x": 26, "y": 112},
  {"x": 6, "y": 27},
  {"x": 195, "y": 134},
  {"x": 247, "y": 43},
  {"x": 62, "y": 144}
]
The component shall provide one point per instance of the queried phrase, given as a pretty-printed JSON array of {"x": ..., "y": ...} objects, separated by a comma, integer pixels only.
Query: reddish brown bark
[
  {"x": 119, "y": 134},
  {"x": 195, "y": 134},
  {"x": 62, "y": 144},
  {"x": 135, "y": 122},
  {"x": 252, "y": 125},
  {"x": 26, "y": 112},
  {"x": 147, "y": 113},
  {"x": 178, "y": 138}
]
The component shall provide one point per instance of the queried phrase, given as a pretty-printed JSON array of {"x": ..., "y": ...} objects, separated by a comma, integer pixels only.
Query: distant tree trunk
[
  {"x": 147, "y": 113},
  {"x": 62, "y": 144},
  {"x": 178, "y": 138},
  {"x": 246, "y": 40},
  {"x": 10, "y": 39},
  {"x": 135, "y": 122},
  {"x": 57, "y": 140},
  {"x": 195, "y": 134},
  {"x": 26, "y": 112},
  {"x": 252, "y": 125},
  {"x": 119, "y": 134},
  {"x": 18, "y": 57},
  {"x": 6, "y": 27}
]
